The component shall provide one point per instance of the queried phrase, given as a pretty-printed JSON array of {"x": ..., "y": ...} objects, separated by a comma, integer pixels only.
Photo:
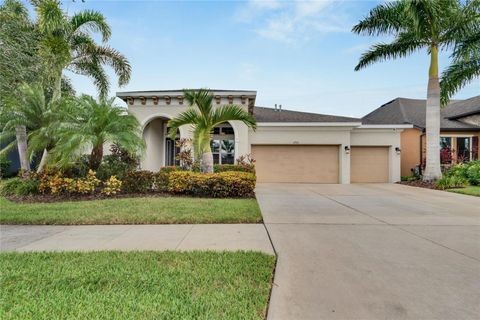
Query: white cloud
[{"x": 294, "y": 21}]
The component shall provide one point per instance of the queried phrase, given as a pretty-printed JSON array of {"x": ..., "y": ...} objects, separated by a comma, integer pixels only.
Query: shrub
[
  {"x": 473, "y": 173},
  {"x": 118, "y": 163},
  {"x": 139, "y": 181},
  {"x": 4, "y": 166},
  {"x": 112, "y": 186},
  {"x": 453, "y": 181},
  {"x": 56, "y": 183},
  {"x": 234, "y": 167},
  {"x": 19, "y": 187},
  {"x": 410, "y": 178},
  {"x": 217, "y": 185},
  {"x": 163, "y": 177}
]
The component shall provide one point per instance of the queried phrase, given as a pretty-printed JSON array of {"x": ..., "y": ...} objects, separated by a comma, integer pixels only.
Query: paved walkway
[
  {"x": 378, "y": 251},
  {"x": 136, "y": 237}
]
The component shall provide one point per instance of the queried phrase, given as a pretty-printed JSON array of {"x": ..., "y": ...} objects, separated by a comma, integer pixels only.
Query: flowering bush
[
  {"x": 217, "y": 185},
  {"x": 54, "y": 183},
  {"x": 112, "y": 186}
]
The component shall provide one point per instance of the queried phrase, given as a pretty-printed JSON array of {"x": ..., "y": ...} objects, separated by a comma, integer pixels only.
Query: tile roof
[
  {"x": 263, "y": 114},
  {"x": 412, "y": 111}
]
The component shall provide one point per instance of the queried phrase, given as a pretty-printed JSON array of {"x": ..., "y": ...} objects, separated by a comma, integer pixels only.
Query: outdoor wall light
[
  {"x": 398, "y": 150},
  {"x": 347, "y": 149}
]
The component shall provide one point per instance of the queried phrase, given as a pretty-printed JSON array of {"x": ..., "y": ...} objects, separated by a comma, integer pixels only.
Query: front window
[
  {"x": 223, "y": 144},
  {"x": 445, "y": 150},
  {"x": 463, "y": 149}
]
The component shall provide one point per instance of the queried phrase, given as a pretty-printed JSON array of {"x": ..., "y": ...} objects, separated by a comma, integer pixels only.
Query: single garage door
[
  {"x": 296, "y": 163},
  {"x": 369, "y": 164}
]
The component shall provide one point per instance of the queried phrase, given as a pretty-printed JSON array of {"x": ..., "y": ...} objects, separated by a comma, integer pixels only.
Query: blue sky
[{"x": 300, "y": 54}]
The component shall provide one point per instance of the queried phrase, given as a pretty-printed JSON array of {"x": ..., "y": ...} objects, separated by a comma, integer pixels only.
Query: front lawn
[
  {"x": 148, "y": 210},
  {"x": 469, "y": 190},
  {"x": 135, "y": 285}
]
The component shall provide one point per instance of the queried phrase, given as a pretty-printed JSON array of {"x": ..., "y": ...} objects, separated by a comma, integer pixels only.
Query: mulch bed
[
  {"x": 420, "y": 184},
  {"x": 48, "y": 198}
]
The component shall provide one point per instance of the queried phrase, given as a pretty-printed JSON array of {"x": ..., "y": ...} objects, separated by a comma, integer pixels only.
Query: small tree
[
  {"x": 203, "y": 117},
  {"x": 91, "y": 124}
]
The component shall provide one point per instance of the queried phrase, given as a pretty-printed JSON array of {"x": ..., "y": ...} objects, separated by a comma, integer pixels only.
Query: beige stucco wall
[{"x": 381, "y": 137}]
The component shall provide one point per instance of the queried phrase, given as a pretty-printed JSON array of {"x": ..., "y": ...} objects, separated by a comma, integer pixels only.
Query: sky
[{"x": 300, "y": 54}]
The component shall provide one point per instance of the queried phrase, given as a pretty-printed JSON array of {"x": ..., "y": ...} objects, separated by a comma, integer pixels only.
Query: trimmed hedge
[
  {"x": 231, "y": 182},
  {"x": 234, "y": 167},
  {"x": 216, "y": 185}
]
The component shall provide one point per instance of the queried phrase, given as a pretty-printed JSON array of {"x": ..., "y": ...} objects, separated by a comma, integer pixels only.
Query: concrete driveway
[{"x": 372, "y": 251}]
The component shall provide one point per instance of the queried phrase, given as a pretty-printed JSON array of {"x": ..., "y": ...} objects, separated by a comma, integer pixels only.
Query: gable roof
[
  {"x": 412, "y": 111},
  {"x": 462, "y": 108},
  {"x": 263, "y": 114}
]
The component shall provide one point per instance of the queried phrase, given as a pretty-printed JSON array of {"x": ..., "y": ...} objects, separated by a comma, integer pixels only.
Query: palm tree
[
  {"x": 89, "y": 125},
  {"x": 432, "y": 25},
  {"x": 18, "y": 64},
  {"x": 67, "y": 43},
  {"x": 41, "y": 118},
  {"x": 204, "y": 119},
  {"x": 464, "y": 69}
]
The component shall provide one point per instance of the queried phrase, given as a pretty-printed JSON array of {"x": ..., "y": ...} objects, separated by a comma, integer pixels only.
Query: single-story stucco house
[
  {"x": 459, "y": 130},
  {"x": 288, "y": 146}
]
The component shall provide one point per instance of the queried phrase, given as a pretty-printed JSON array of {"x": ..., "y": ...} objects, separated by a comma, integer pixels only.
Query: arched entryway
[{"x": 160, "y": 149}]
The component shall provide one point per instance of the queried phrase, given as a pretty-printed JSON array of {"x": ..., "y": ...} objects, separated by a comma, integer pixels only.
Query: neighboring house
[
  {"x": 288, "y": 146},
  {"x": 459, "y": 135}
]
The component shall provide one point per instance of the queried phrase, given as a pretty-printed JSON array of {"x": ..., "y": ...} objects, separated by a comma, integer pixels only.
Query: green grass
[
  {"x": 150, "y": 210},
  {"x": 135, "y": 285},
  {"x": 469, "y": 190}
]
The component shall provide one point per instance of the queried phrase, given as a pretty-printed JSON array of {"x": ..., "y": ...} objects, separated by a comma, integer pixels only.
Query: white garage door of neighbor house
[
  {"x": 296, "y": 163},
  {"x": 369, "y": 164}
]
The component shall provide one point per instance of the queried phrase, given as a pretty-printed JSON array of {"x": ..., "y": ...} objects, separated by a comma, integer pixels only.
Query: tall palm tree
[
  {"x": 204, "y": 118},
  {"x": 465, "y": 67},
  {"x": 67, "y": 43},
  {"x": 432, "y": 25},
  {"x": 89, "y": 125},
  {"x": 40, "y": 117}
]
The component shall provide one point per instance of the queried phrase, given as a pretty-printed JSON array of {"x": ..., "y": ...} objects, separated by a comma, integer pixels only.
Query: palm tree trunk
[
  {"x": 57, "y": 88},
  {"x": 43, "y": 161},
  {"x": 432, "y": 121},
  {"x": 21, "y": 135},
  {"x": 207, "y": 162},
  {"x": 96, "y": 157}
]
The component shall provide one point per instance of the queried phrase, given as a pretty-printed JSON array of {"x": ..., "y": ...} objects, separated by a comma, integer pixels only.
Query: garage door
[
  {"x": 298, "y": 163},
  {"x": 369, "y": 164}
]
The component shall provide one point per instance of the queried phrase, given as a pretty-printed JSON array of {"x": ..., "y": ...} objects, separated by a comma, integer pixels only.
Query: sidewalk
[{"x": 135, "y": 237}]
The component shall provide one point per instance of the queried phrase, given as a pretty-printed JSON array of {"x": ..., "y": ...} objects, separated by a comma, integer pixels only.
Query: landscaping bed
[
  {"x": 135, "y": 285},
  {"x": 139, "y": 210},
  {"x": 462, "y": 178},
  {"x": 420, "y": 184}
]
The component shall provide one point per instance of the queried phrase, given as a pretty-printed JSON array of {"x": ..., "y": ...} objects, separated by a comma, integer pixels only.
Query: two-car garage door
[{"x": 318, "y": 163}]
